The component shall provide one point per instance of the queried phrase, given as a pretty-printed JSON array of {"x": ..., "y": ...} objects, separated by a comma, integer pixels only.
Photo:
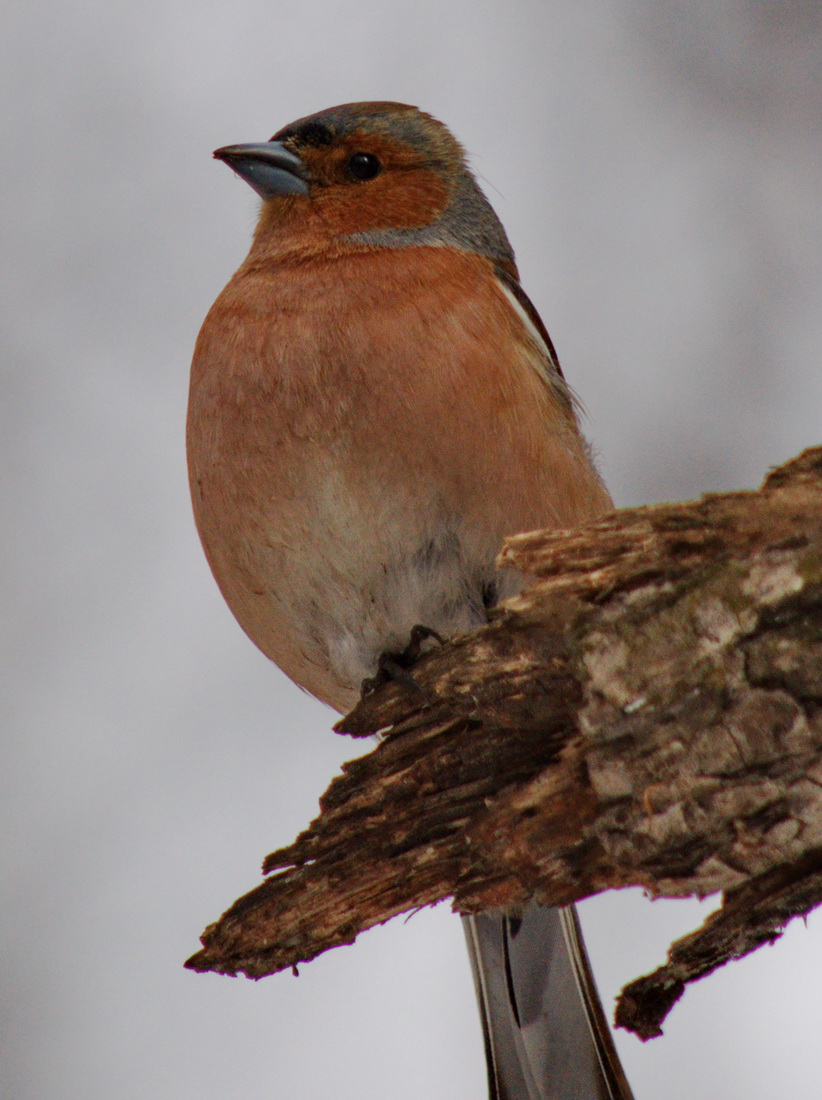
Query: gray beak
[{"x": 267, "y": 167}]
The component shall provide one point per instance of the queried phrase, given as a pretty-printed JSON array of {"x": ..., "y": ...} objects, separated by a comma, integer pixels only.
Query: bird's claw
[{"x": 393, "y": 667}]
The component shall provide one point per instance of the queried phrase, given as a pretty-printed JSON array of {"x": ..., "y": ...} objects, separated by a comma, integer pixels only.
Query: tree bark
[{"x": 648, "y": 712}]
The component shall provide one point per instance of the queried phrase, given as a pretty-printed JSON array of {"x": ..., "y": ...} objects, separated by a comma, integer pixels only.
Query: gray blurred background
[{"x": 658, "y": 167}]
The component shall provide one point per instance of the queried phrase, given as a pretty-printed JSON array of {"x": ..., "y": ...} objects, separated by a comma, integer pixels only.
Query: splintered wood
[{"x": 648, "y": 712}]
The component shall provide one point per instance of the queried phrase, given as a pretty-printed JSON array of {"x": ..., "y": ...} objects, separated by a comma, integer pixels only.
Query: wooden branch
[{"x": 648, "y": 712}]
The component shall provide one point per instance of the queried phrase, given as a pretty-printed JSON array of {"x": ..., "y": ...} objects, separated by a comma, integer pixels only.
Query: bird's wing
[
  {"x": 532, "y": 317},
  {"x": 547, "y": 358},
  {"x": 546, "y": 1037}
]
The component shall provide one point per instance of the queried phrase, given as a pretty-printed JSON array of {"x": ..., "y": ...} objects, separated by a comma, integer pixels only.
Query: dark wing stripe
[
  {"x": 512, "y": 284},
  {"x": 532, "y": 323}
]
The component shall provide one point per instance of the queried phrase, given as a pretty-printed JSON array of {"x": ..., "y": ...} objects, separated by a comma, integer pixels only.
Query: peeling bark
[{"x": 648, "y": 712}]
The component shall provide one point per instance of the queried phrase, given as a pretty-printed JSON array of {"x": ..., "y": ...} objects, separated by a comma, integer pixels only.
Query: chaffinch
[{"x": 375, "y": 404}]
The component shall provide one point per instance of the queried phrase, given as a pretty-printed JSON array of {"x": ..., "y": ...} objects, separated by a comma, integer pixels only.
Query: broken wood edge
[{"x": 777, "y": 897}]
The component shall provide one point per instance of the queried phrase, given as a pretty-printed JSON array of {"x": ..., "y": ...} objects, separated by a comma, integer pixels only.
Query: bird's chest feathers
[
  {"x": 325, "y": 375},
  {"x": 313, "y": 468}
]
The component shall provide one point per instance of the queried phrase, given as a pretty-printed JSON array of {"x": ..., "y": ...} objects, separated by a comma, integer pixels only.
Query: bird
[{"x": 375, "y": 404}]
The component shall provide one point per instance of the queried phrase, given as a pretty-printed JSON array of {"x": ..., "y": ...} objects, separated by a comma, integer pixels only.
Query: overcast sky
[{"x": 659, "y": 169}]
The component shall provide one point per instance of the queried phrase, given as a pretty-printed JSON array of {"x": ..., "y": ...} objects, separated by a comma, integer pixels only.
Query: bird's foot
[
  {"x": 393, "y": 667},
  {"x": 414, "y": 650}
]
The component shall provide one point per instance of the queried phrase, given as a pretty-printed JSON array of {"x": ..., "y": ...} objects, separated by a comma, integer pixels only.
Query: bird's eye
[{"x": 364, "y": 166}]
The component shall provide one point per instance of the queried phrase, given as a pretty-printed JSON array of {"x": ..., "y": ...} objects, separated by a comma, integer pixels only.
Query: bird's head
[{"x": 370, "y": 175}]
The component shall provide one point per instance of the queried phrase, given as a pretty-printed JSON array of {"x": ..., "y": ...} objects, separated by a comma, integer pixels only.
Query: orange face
[{"x": 405, "y": 191}]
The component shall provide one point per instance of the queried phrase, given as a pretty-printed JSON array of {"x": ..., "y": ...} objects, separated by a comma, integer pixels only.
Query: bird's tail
[{"x": 546, "y": 1036}]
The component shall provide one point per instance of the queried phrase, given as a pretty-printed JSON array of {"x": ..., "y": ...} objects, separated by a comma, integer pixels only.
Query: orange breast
[{"x": 363, "y": 432}]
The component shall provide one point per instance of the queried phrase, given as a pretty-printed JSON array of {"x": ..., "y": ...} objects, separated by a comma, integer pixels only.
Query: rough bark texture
[{"x": 648, "y": 712}]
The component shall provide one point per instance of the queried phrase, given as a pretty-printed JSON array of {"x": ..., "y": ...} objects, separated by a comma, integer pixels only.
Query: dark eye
[{"x": 364, "y": 166}]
